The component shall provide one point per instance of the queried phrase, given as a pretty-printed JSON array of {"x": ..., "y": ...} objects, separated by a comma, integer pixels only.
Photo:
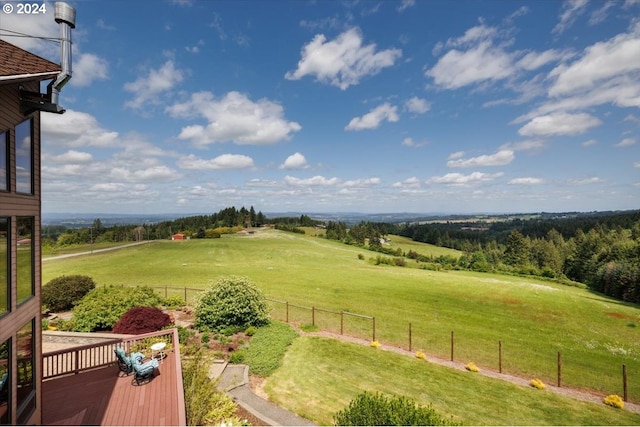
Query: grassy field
[
  {"x": 320, "y": 376},
  {"x": 533, "y": 319}
]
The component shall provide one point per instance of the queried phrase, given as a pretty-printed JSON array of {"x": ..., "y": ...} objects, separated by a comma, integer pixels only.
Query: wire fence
[{"x": 450, "y": 345}]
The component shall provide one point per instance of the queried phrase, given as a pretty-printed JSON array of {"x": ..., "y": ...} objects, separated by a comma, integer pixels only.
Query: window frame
[
  {"x": 26, "y": 405},
  {"x": 8, "y": 383},
  {"x": 6, "y": 181},
  {"x": 31, "y": 156},
  {"x": 7, "y": 264},
  {"x": 32, "y": 262}
]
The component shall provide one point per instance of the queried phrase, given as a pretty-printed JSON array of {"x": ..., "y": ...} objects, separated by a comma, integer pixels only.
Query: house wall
[{"x": 14, "y": 205}]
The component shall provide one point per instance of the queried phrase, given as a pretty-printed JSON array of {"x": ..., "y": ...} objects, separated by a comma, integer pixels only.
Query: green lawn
[
  {"x": 533, "y": 319},
  {"x": 320, "y": 376}
]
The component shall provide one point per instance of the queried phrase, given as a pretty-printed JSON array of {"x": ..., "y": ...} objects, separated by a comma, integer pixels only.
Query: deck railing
[{"x": 91, "y": 356}]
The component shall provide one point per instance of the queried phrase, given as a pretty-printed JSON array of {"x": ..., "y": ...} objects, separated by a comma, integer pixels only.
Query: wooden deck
[{"x": 104, "y": 396}]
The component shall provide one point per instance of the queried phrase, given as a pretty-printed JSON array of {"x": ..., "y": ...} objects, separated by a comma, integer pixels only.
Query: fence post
[
  {"x": 185, "y": 294},
  {"x": 452, "y": 341},
  {"x": 313, "y": 316},
  {"x": 410, "y": 343},
  {"x": 624, "y": 382},
  {"x": 287, "y": 312},
  {"x": 342, "y": 322},
  {"x": 500, "y": 356},
  {"x": 165, "y": 291},
  {"x": 374, "y": 328},
  {"x": 559, "y": 369}
]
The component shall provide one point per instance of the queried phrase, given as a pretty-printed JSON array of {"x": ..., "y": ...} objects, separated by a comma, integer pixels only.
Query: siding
[{"x": 15, "y": 205}]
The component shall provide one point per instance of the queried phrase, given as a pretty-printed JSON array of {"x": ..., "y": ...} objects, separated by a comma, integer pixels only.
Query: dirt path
[{"x": 563, "y": 391}]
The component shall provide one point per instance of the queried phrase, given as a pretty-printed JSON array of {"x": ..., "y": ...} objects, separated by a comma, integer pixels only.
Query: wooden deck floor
[{"x": 105, "y": 397}]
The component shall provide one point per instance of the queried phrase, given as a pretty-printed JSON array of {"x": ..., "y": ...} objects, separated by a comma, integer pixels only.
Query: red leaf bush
[{"x": 141, "y": 320}]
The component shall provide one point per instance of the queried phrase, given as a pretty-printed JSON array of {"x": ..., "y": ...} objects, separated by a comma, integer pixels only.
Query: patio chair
[
  {"x": 143, "y": 372},
  {"x": 125, "y": 362},
  {"x": 4, "y": 388}
]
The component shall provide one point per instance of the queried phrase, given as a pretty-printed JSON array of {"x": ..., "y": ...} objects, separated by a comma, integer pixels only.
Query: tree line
[{"x": 599, "y": 250}]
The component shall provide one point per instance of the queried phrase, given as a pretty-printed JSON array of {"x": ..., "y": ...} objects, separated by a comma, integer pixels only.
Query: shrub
[
  {"x": 267, "y": 348},
  {"x": 471, "y": 367},
  {"x": 231, "y": 301},
  {"x": 141, "y": 320},
  {"x": 537, "y": 384},
  {"x": 184, "y": 334},
  {"x": 62, "y": 293},
  {"x": 101, "y": 308},
  {"x": 614, "y": 401},
  {"x": 421, "y": 355},
  {"x": 173, "y": 302},
  {"x": 369, "y": 409},
  {"x": 204, "y": 404},
  {"x": 238, "y": 357},
  {"x": 374, "y": 344}
]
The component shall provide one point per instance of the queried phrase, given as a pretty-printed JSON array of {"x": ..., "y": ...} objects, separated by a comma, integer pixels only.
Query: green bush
[
  {"x": 62, "y": 293},
  {"x": 101, "y": 308},
  {"x": 173, "y": 302},
  {"x": 204, "y": 404},
  {"x": 267, "y": 348},
  {"x": 231, "y": 301},
  {"x": 369, "y": 409}
]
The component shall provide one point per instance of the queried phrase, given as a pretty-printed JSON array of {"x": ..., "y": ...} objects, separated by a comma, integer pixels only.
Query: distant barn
[{"x": 177, "y": 236}]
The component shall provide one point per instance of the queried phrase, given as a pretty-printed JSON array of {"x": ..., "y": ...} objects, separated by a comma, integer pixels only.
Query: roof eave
[{"x": 18, "y": 78}]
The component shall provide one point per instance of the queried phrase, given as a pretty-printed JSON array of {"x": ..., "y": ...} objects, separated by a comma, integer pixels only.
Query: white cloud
[
  {"x": 342, "y": 62},
  {"x": 412, "y": 182},
  {"x": 636, "y": 164},
  {"x": 501, "y": 158},
  {"x": 40, "y": 26},
  {"x": 87, "y": 68},
  {"x": 626, "y": 142},
  {"x": 600, "y": 15},
  {"x": 460, "y": 179},
  {"x": 417, "y": 105},
  {"x": 559, "y": 124},
  {"x": 294, "y": 161},
  {"x": 235, "y": 118},
  {"x": 571, "y": 9},
  {"x": 602, "y": 61},
  {"x": 373, "y": 118},
  {"x": 410, "y": 142},
  {"x": 528, "y": 145},
  {"x": 526, "y": 181},
  {"x": 456, "y": 155},
  {"x": 362, "y": 182},
  {"x": 71, "y": 156},
  {"x": 585, "y": 181},
  {"x": 224, "y": 161},
  {"x": 147, "y": 89},
  {"x": 317, "y": 180},
  {"x": 75, "y": 129},
  {"x": 480, "y": 63},
  {"x": 534, "y": 60},
  {"x": 589, "y": 143},
  {"x": 151, "y": 174},
  {"x": 405, "y": 4}
]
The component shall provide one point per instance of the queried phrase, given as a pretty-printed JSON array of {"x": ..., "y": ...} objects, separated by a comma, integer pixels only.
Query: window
[
  {"x": 4, "y": 161},
  {"x": 5, "y": 283},
  {"x": 26, "y": 392},
  {"x": 24, "y": 157},
  {"x": 25, "y": 259},
  {"x": 5, "y": 382}
]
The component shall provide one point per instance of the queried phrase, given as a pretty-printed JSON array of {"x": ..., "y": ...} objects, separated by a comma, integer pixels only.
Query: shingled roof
[{"x": 18, "y": 64}]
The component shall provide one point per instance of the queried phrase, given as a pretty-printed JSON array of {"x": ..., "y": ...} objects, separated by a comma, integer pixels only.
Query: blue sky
[{"x": 333, "y": 106}]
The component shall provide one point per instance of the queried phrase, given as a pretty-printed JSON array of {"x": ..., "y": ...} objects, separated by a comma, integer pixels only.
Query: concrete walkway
[{"x": 234, "y": 380}]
